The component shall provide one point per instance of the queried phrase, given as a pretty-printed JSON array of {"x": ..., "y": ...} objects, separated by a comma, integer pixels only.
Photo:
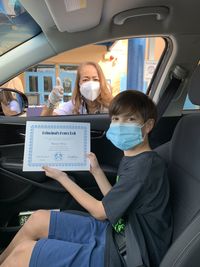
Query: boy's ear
[{"x": 149, "y": 125}]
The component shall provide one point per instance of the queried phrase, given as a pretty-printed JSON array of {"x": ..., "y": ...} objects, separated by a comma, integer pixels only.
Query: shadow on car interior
[{"x": 183, "y": 159}]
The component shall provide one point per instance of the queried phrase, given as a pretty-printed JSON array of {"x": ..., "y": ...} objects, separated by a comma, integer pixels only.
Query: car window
[
  {"x": 126, "y": 64},
  {"x": 16, "y": 25},
  {"x": 189, "y": 106}
]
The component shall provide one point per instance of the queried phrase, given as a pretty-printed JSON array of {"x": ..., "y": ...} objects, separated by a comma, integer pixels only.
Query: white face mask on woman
[{"x": 90, "y": 90}]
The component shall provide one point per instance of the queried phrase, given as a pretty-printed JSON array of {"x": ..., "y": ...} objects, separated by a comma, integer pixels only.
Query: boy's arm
[
  {"x": 102, "y": 181},
  {"x": 92, "y": 205}
]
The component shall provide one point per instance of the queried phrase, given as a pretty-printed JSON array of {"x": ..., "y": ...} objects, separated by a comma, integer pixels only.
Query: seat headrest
[{"x": 194, "y": 87}]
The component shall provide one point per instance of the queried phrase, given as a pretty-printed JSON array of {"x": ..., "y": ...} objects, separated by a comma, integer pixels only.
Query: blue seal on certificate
[{"x": 58, "y": 156}]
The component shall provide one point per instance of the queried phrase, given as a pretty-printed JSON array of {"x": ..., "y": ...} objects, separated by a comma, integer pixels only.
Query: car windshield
[{"x": 16, "y": 25}]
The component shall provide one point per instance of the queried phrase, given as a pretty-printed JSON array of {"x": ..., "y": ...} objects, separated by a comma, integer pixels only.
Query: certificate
[{"x": 61, "y": 145}]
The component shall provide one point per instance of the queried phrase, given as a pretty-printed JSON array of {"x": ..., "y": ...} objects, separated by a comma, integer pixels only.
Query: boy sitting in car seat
[{"x": 130, "y": 226}]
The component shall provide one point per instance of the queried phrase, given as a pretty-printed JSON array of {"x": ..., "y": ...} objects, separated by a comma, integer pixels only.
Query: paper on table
[{"x": 61, "y": 145}]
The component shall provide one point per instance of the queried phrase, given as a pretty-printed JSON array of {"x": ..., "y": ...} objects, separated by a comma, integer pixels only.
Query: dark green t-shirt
[{"x": 141, "y": 197}]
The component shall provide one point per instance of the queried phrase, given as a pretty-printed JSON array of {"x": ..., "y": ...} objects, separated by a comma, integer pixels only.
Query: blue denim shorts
[{"x": 74, "y": 240}]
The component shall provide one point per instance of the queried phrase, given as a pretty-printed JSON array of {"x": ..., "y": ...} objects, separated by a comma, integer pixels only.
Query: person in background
[
  {"x": 13, "y": 106},
  {"x": 136, "y": 207},
  {"x": 91, "y": 95},
  {"x": 10, "y": 105}
]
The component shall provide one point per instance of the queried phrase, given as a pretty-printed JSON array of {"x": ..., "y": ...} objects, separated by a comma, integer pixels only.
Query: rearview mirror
[{"x": 12, "y": 102}]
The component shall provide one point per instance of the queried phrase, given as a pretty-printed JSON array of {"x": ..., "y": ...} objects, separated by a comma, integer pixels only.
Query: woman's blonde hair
[{"x": 105, "y": 96}]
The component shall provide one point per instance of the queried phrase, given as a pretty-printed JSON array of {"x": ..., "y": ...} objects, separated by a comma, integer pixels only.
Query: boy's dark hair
[{"x": 132, "y": 101}]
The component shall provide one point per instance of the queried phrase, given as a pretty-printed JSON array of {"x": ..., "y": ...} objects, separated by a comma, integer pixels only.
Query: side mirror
[{"x": 12, "y": 102}]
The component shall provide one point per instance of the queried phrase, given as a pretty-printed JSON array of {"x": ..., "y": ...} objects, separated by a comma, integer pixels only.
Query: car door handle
[
  {"x": 97, "y": 134},
  {"x": 160, "y": 12}
]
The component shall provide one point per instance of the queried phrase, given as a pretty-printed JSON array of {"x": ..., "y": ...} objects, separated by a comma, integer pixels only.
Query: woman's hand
[
  {"x": 94, "y": 164},
  {"x": 54, "y": 173},
  {"x": 56, "y": 94}
]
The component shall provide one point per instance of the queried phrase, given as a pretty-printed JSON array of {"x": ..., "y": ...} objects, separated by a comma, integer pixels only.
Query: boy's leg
[
  {"x": 36, "y": 227},
  {"x": 20, "y": 256}
]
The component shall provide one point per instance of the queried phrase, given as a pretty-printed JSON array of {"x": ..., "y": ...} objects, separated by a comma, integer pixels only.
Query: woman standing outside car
[{"x": 91, "y": 95}]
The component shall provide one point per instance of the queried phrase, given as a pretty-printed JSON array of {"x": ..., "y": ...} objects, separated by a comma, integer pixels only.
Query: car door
[{"x": 28, "y": 191}]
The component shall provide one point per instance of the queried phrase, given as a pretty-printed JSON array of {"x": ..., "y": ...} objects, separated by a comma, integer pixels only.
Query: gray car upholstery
[
  {"x": 194, "y": 87},
  {"x": 182, "y": 155}
]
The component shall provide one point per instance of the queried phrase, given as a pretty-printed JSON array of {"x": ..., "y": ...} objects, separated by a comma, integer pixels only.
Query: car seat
[{"x": 182, "y": 154}]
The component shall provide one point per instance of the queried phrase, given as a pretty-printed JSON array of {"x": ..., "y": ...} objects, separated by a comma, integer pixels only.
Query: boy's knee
[
  {"x": 39, "y": 215},
  {"x": 38, "y": 224}
]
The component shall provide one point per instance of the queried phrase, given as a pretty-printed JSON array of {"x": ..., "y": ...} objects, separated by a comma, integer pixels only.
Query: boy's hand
[
  {"x": 99, "y": 175},
  {"x": 54, "y": 173},
  {"x": 94, "y": 164}
]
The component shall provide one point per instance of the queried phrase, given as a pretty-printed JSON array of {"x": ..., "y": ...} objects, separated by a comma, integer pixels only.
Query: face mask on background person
[
  {"x": 125, "y": 136},
  {"x": 90, "y": 90}
]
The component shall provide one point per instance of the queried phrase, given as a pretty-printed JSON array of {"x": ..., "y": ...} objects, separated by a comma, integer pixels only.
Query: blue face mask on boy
[{"x": 125, "y": 135}]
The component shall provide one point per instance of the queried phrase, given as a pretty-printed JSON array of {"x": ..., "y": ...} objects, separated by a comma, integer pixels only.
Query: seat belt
[
  {"x": 135, "y": 258},
  {"x": 121, "y": 242},
  {"x": 177, "y": 76}
]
